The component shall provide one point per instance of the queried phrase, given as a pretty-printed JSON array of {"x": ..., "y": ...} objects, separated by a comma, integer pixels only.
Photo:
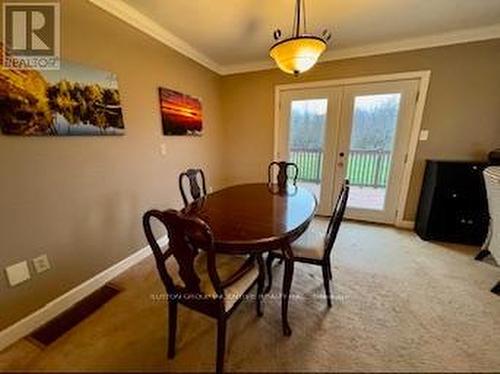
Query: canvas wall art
[
  {"x": 75, "y": 100},
  {"x": 180, "y": 114}
]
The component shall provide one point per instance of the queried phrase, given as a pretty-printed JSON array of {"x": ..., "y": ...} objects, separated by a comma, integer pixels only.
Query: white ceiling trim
[
  {"x": 438, "y": 40},
  {"x": 133, "y": 17}
]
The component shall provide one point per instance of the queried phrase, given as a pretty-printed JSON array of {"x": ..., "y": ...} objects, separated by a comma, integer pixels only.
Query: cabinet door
[{"x": 461, "y": 211}]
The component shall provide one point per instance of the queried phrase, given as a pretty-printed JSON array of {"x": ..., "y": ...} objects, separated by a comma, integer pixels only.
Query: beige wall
[
  {"x": 80, "y": 200},
  {"x": 462, "y": 110}
]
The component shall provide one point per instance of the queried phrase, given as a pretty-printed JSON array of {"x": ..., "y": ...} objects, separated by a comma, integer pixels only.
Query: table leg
[{"x": 287, "y": 284}]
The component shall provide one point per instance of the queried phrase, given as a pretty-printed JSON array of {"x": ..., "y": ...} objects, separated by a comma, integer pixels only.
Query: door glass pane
[
  {"x": 375, "y": 118},
  {"x": 306, "y": 140}
]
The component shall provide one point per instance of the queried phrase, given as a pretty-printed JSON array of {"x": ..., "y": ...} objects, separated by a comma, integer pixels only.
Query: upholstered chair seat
[
  {"x": 227, "y": 266},
  {"x": 310, "y": 245}
]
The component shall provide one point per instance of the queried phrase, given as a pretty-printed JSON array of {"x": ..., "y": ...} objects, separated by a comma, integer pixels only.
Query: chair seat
[
  {"x": 310, "y": 245},
  {"x": 226, "y": 265}
]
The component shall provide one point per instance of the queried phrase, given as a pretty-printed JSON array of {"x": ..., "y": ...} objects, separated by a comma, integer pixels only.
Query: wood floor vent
[{"x": 65, "y": 321}]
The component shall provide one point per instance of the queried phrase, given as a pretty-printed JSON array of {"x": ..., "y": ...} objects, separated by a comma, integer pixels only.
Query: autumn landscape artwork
[
  {"x": 180, "y": 114},
  {"x": 75, "y": 100}
]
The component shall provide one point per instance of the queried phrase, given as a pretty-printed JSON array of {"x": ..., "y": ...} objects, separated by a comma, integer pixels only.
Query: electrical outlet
[
  {"x": 18, "y": 273},
  {"x": 41, "y": 264}
]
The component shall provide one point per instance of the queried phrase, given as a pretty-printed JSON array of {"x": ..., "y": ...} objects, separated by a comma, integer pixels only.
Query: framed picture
[
  {"x": 75, "y": 100},
  {"x": 180, "y": 114}
]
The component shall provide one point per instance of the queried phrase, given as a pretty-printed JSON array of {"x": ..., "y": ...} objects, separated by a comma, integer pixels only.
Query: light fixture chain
[
  {"x": 296, "y": 19},
  {"x": 304, "y": 15}
]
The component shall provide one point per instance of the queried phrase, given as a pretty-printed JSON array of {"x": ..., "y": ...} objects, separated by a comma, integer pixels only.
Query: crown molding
[
  {"x": 133, "y": 17},
  {"x": 403, "y": 45},
  {"x": 248, "y": 67}
]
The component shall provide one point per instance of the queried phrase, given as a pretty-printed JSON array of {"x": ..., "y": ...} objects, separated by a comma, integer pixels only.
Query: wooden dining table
[{"x": 257, "y": 218}]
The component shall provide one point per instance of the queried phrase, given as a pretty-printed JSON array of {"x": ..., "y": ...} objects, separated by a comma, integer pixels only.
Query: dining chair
[
  {"x": 492, "y": 243},
  {"x": 198, "y": 278},
  {"x": 192, "y": 176},
  {"x": 283, "y": 176},
  {"x": 315, "y": 247}
]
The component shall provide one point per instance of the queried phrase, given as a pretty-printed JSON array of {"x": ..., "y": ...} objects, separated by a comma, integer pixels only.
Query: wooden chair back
[
  {"x": 195, "y": 190},
  {"x": 336, "y": 219},
  {"x": 284, "y": 175},
  {"x": 186, "y": 235}
]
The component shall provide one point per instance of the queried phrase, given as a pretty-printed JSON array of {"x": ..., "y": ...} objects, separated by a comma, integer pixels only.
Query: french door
[
  {"x": 308, "y": 128},
  {"x": 360, "y": 132}
]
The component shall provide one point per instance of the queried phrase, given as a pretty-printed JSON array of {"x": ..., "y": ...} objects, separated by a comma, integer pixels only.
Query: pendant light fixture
[{"x": 301, "y": 51}]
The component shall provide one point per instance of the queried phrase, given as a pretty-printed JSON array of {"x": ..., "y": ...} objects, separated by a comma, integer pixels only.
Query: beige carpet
[{"x": 401, "y": 305}]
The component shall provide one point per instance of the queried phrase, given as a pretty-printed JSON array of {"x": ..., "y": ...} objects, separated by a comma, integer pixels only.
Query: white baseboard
[
  {"x": 409, "y": 225},
  {"x": 50, "y": 310}
]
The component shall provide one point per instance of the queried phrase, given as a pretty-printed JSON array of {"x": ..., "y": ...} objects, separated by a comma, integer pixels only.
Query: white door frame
[{"x": 424, "y": 79}]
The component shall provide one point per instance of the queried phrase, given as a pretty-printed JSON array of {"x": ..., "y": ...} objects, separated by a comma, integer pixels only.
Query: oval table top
[{"x": 255, "y": 217}]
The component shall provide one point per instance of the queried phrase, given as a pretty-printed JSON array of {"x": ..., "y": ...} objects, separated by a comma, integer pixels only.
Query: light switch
[
  {"x": 41, "y": 264},
  {"x": 163, "y": 149},
  {"x": 424, "y": 135},
  {"x": 18, "y": 273}
]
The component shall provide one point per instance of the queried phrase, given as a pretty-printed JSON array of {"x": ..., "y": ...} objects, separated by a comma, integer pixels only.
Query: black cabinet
[{"x": 453, "y": 205}]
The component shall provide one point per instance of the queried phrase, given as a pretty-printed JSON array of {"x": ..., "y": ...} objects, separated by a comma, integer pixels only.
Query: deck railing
[
  {"x": 367, "y": 168},
  {"x": 309, "y": 162}
]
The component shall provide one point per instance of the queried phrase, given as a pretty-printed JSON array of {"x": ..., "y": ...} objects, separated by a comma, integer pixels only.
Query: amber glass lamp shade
[{"x": 298, "y": 54}]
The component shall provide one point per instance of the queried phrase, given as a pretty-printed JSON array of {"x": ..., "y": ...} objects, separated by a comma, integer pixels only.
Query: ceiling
[{"x": 235, "y": 35}]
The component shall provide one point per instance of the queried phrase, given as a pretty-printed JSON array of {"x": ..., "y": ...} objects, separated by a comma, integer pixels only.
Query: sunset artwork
[{"x": 180, "y": 113}]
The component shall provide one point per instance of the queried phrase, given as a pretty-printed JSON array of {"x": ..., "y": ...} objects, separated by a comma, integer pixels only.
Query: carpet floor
[{"x": 401, "y": 304}]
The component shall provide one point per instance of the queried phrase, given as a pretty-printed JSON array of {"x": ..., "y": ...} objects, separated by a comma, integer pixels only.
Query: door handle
[{"x": 340, "y": 164}]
